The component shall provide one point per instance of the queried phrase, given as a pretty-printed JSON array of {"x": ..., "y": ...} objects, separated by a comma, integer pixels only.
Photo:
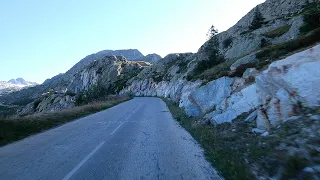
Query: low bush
[
  {"x": 274, "y": 52},
  {"x": 70, "y": 93},
  {"x": 311, "y": 17},
  {"x": 22, "y": 102},
  {"x": 241, "y": 69},
  {"x": 215, "y": 58},
  {"x": 277, "y": 32},
  {"x": 215, "y": 72},
  {"x": 227, "y": 42},
  {"x": 36, "y": 103}
]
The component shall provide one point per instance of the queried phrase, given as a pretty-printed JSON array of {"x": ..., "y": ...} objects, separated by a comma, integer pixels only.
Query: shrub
[
  {"x": 70, "y": 93},
  {"x": 293, "y": 167},
  {"x": 277, "y": 32},
  {"x": 258, "y": 20},
  {"x": 264, "y": 43},
  {"x": 36, "y": 103},
  {"x": 241, "y": 69},
  {"x": 95, "y": 93},
  {"x": 276, "y": 51},
  {"x": 23, "y": 102},
  {"x": 311, "y": 20},
  {"x": 227, "y": 42},
  {"x": 215, "y": 72},
  {"x": 214, "y": 54}
]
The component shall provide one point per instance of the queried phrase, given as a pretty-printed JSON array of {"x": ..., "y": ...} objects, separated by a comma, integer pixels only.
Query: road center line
[
  {"x": 125, "y": 120},
  {"x": 74, "y": 170}
]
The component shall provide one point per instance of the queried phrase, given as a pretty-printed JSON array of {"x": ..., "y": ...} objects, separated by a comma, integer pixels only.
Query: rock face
[
  {"x": 108, "y": 72},
  {"x": 152, "y": 58},
  {"x": 61, "y": 82},
  {"x": 277, "y": 14},
  {"x": 105, "y": 72},
  {"x": 48, "y": 103},
  {"x": 274, "y": 96},
  {"x": 130, "y": 54}
]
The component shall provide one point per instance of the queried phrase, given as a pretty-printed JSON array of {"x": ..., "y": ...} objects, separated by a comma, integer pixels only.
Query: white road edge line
[
  {"x": 125, "y": 120},
  {"x": 74, "y": 170}
]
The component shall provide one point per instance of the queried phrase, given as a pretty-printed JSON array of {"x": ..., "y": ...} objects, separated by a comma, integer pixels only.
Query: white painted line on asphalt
[
  {"x": 116, "y": 129},
  {"x": 125, "y": 120},
  {"x": 74, "y": 170}
]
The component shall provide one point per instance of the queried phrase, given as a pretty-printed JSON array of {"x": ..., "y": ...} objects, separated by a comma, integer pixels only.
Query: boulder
[
  {"x": 249, "y": 59},
  {"x": 212, "y": 94},
  {"x": 298, "y": 75},
  {"x": 250, "y": 72},
  {"x": 262, "y": 121},
  {"x": 252, "y": 116},
  {"x": 246, "y": 100}
]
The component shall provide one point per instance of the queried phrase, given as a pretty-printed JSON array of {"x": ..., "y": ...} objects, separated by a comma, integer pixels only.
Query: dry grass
[{"x": 13, "y": 129}]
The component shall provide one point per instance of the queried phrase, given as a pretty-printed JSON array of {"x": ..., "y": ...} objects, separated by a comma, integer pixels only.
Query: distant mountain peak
[
  {"x": 14, "y": 85},
  {"x": 21, "y": 82}
]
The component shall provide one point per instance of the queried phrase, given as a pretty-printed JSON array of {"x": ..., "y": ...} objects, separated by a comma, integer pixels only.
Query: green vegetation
[
  {"x": 22, "y": 101},
  {"x": 215, "y": 58},
  {"x": 227, "y": 42},
  {"x": 258, "y": 20},
  {"x": 70, "y": 93},
  {"x": 183, "y": 66},
  {"x": 7, "y": 111},
  {"x": 311, "y": 17},
  {"x": 13, "y": 129},
  {"x": 237, "y": 153},
  {"x": 157, "y": 77},
  {"x": 277, "y": 32},
  {"x": 95, "y": 93},
  {"x": 274, "y": 52},
  {"x": 36, "y": 103},
  {"x": 217, "y": 145},
  {"x": 213, "y": 73}
]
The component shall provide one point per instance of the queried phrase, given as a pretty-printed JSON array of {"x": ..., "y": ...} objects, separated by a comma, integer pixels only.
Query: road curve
[{"x": 137, "y": 139}]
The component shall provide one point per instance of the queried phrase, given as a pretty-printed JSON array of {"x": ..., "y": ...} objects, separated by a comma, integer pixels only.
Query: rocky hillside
[
  {"x": 129, "y": 54},
  {"x": 60, "y": 82},
  {"x": 253, "y": 78},
  {"x": 151, "y": 58},
  {"x": 102, "y": 77},
  {"x": 262, "y": 73}
]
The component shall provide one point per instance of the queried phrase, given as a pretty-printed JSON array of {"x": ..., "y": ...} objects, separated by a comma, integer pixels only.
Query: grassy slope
[
  {"x": 237, "y": 153},
  {"x": 13, "y": 129}
]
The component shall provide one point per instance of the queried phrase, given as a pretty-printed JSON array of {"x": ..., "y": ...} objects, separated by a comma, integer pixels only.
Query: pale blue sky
[{"x": 40, "y": 39}]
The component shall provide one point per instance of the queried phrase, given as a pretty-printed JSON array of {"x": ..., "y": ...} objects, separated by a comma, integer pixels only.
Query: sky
[{"x": 40, "y": 39}]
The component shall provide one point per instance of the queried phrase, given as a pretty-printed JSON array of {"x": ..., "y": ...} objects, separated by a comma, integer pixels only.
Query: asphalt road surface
[{"x": 137, "y": 139}]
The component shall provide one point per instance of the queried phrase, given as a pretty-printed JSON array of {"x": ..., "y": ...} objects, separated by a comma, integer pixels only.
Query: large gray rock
[
  {"x": 262, "y": 121},
  {"x": 279, "y": 89},
  {"x": 298, "y": 75},
  {"x": 50, "y": 102},
  {"x": 212, "y": 94},
  {"x": 246, "y": 100}
]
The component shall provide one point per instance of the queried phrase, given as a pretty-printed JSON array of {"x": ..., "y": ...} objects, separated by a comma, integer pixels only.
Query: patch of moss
[{"x": 277, "y": 32}]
